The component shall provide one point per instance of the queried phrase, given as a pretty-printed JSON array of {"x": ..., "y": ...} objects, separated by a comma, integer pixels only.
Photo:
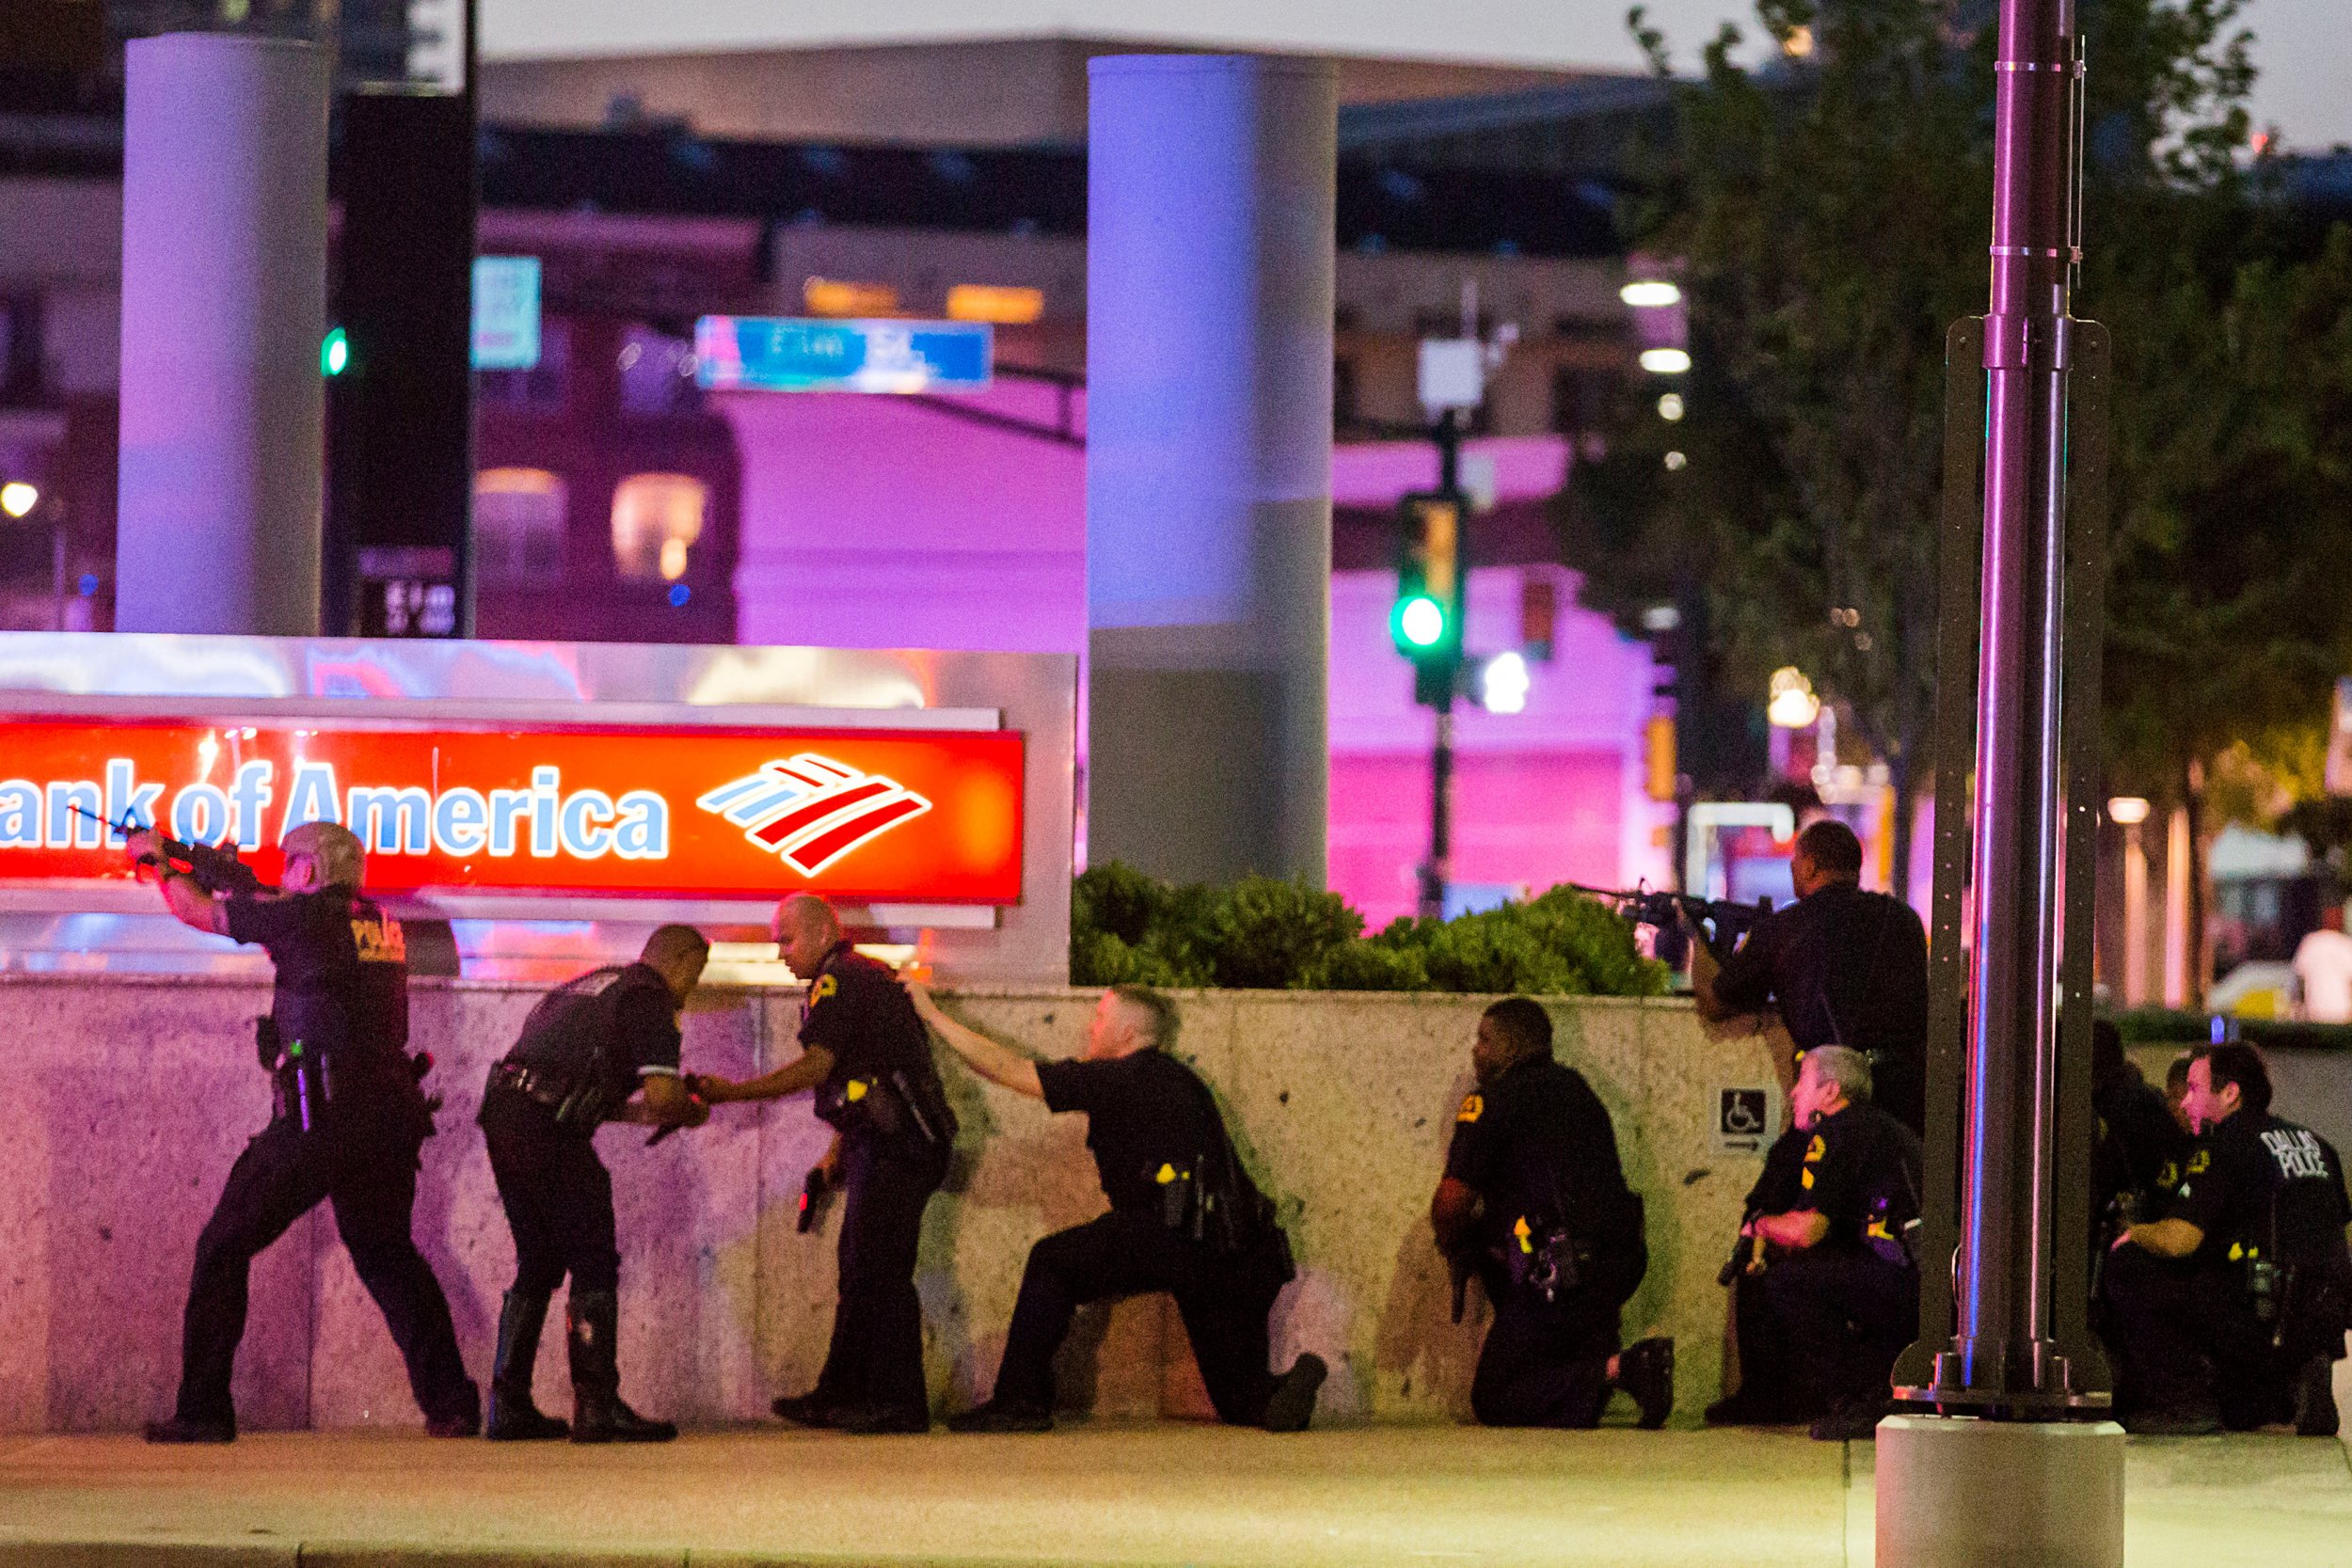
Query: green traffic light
[
  {"x": 1421, "y": 621},
  {"x": 334, "y": 352}
]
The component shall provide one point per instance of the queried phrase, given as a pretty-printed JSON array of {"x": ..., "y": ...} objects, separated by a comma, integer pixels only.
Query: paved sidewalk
[{"x": 1140, "y": 1498}]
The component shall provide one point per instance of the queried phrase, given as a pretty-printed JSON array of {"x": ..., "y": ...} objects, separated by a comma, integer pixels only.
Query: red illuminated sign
[{"x": 919, "y": 816}]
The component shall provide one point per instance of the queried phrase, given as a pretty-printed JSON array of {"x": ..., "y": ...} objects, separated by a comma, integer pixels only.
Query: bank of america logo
[{"x": 811, "y": 810}]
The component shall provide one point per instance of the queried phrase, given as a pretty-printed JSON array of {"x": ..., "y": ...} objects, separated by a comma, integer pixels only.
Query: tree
[{"x": 1830, "y": 214}]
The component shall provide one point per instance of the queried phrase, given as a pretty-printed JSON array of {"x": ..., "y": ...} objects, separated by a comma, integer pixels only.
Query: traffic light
[{"x": 1426, "y": 620}]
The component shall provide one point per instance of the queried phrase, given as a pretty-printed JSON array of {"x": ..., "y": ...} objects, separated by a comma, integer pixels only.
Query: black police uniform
[
  {"x": 1185, "y": 1218},
  {"x": 2140, "y": 1149},
  {"x": 1767, "y": 1387},
  {"x": 1846, "y": 968},
  {"x": 348, "y": 1128},
  {"x": 583, "y": 1052},
  {"x": 1557, "y": 1220},
  {"x": 1827, "y": 1322},
  {"x": 883, "y": 1096},
  {"x": 2186, "y": 1332}
]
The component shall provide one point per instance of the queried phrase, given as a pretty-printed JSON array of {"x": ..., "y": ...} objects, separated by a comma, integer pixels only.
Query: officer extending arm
[
  {"x": 865, "y": 1055},
  {"x": 188, "y": 901},
  {"x": 998, "y": 1064}
]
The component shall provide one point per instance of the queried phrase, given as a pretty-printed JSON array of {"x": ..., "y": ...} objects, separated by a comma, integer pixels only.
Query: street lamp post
[{"x": 2005, "y": 1467}]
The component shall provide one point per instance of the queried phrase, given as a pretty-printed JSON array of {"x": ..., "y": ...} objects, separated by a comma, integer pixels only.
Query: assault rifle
[
  {"x": 1722, "y": 921},
  {"x": 215, "y": 868}
]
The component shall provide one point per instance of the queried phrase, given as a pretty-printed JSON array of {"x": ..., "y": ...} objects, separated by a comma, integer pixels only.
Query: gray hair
[
  {"x": 1843, "y": 1065},
  {"x": 335, "y": 849},
  {"x": 1158, "y": 1015}
]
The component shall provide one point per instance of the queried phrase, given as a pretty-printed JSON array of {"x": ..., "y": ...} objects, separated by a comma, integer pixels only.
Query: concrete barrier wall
[{"x": 130, "y": 1097}]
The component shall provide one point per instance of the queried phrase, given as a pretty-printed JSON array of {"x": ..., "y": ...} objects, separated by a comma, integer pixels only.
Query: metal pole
[
  {"x": 2004, "y": 1352},
  {"x": 1438, "y": 870}
]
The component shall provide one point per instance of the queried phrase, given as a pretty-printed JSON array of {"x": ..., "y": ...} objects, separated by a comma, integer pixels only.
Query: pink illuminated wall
[{"x": 882, "y": 522}]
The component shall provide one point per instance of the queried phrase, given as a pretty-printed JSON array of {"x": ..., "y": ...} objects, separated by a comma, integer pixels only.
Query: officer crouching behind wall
[
  {"x": 865, "y": 1055},
  {"x": 1843, "y": 966},
  {"x": 585, "y": 1053},
  {"x": 1185, "y": 1218},
  {"x": 2232, "y": 1307},
  {"x": 1826, "y": 1293},
  {"x": 350, "y": 1120},
  {"x": 1534, "y": 1202}
]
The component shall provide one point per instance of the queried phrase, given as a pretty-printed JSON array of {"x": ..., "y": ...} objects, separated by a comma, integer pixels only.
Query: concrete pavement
[{"x": 1140, "y": 1497}]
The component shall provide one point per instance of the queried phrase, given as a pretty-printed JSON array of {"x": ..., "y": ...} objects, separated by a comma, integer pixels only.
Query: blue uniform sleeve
[
  {"x": 267, "y": 920},
  {"x": 1073, "y": 1085},
  {"x": 2204, "y": 1195},
  {"x": 648, "y": 1024},
  {"x": 1469, "y": 1159},
  {"x": 1745, "y": 983}
]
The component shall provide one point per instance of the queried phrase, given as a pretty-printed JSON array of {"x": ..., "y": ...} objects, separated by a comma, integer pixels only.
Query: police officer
[
  {"x": 586, "y": 1051},
  {"x": 1534, "y": 1201},
  {"x": 349, "y": 1122},
  {"x": 1185, "y": 1218},
  {"x": 865, "y": 1055},
  {"x": 1835, "y": 1288},
  {"x": 1844, "y": 967},
  {"x": 2139, "y": 1151},
  {"x": 2186, "y": 1293}
]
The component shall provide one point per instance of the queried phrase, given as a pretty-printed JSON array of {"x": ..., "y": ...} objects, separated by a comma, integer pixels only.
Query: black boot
[
  {"x": 1646, "y": 1369},
  {"x": 599, "y": 1416},
  {"x": 512, "y": 1418}
]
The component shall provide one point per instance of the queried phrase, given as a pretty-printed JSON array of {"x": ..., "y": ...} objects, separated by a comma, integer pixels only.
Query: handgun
[
  {"x": 815, "y": 1188},
  {"x": 214, "y": 868}
]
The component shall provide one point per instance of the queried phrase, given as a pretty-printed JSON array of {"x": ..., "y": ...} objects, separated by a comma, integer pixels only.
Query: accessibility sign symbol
[{"x": 1744, "y": 1118}]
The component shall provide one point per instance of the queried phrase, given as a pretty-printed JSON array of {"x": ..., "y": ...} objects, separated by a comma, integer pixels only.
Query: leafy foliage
[
  {"x": 1275, "y": 935},
  {"x": 1829, "y": 215}
]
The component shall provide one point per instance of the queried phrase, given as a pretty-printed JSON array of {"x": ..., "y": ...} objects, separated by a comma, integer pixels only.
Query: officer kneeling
[
  {"x": 1534, "y": 1202},
  {"x": 1185, "y": 1218},
  {"x": 2232, "y": 1307},
  {"x": 350, "y": 1120},
  {"x": 585, "y": 1053},
  {"x": 1828, "y": 1293}
]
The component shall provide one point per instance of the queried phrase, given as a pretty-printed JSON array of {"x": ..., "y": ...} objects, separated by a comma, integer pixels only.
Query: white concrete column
[
  {"x": 2179, "y": 854},
  {"x": 1210, "y": 236},
  {"x": 224, "y": 304}
]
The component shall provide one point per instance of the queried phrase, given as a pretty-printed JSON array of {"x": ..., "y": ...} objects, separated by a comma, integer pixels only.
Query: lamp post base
[{"x": 1958, "y": 1492}]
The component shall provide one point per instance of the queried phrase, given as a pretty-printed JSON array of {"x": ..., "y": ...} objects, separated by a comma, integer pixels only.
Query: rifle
[
  {"x": 1723, "y": 922},
  {"x": 215, "y": 869}
]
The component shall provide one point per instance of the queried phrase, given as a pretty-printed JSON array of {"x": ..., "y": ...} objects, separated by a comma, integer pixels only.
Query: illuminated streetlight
[
  {"x": 1670, "y": 408},
  {"x": 1651, "y": 293},
  {"x": 1793, "y": 706},
  {"x": 2127, "y": 811},
  {"x": 1665, "y": 362},
  {"x": 1504, "y": 681},
  {"x": 17, "y": 498},
  {"x": 1675, "y": 462}
]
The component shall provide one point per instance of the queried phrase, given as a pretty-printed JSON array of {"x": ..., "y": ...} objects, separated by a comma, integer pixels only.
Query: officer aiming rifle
[
  {"x": 1718, "y": 921},
  {"x": 216, "y": 870}
]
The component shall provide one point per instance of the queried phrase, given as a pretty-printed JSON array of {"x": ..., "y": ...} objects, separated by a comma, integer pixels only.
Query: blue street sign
[
  {"x": 505, "y": 313},
  {"x": 788, "y": 354}
]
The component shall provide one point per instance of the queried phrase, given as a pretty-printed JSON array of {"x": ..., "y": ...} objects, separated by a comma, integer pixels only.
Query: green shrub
[{"x": 1266, "y": 933}]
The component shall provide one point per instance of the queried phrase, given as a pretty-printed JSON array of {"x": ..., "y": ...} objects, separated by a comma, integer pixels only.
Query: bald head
[{"x": 805, "y": 929}]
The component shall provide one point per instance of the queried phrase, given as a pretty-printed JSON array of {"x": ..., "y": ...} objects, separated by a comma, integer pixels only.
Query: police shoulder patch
[
  {"x": 1473, "y": 1107},
  {"x": 1815, "y": 1151},
  {"x": 826, "y": 985}
]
